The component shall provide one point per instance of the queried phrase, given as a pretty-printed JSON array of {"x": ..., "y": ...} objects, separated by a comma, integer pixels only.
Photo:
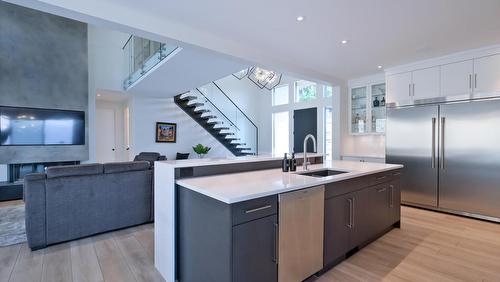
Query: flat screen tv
[{"x": 30, "y": 127}]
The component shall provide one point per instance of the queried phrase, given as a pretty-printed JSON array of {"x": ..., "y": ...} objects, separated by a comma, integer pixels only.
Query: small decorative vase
[{"x": 201, "y": 156}]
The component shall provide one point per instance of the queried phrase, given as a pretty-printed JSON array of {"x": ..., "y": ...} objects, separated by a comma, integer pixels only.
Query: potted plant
[{"x": 201, "y": 150}]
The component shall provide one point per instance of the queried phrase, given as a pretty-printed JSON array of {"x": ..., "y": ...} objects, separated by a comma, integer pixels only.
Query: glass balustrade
[
  {"x": 141, "y": 55},
  {"x": 243, "y": 128}
]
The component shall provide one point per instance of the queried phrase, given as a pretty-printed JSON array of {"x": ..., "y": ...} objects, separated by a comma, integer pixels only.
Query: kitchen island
[{"x": 219, "y": 220}]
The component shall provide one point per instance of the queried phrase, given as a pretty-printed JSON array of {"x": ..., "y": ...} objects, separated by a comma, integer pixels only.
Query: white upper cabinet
[
  {"x": 425, "y": 83},
  {"x": 456, "y": 78},
  {"x": 487, "y": 75},
  {"x": 399, "y": 87}
]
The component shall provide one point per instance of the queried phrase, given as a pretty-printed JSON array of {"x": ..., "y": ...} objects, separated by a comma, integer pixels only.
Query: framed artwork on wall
[{"x": 166, "y": 132}]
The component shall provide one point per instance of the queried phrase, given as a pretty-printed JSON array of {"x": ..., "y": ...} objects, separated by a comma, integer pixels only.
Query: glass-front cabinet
[{"x": 367, "y": 109}]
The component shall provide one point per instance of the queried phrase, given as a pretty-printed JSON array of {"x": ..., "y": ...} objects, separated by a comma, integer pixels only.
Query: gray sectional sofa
[{"x": 70, "y": 202}]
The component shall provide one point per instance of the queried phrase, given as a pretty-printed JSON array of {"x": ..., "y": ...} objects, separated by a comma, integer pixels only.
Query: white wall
[
  {"x": 145, "y": 112},
  {"x": 106, "y": 70}
]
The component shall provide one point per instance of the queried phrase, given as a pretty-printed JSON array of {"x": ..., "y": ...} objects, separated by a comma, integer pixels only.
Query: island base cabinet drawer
[
  {"x": 255, "y": 250},
  {"x": 254, "y": 209}
]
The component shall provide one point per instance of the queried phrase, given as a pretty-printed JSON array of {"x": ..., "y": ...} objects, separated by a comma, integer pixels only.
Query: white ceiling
[{"x": 383, "y": 32}]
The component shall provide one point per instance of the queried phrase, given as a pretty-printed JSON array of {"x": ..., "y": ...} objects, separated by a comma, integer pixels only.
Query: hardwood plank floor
[{"x": 430, "y": 246}]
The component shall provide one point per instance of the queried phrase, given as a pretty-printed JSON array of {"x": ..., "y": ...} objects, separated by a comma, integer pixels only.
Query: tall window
[
  {"x": 327, "y": 91},
  {"x": 280, "y": 95},
  {"x": 305, "y": 91},
  {"x": 280, "y": 133},
  {"x": 328, "y": 123}
]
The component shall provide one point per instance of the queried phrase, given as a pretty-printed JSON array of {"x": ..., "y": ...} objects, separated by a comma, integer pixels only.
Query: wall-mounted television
[{"x": 32, "y": 127}]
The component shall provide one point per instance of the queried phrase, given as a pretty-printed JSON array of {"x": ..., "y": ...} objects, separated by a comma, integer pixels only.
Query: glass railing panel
[
  {"x": 247, "y": 131},
  {"x": 141, "y": 55}
]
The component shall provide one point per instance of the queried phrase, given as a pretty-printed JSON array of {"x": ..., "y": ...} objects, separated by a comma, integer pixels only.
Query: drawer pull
[
  {"x": 381, "y": 190},
  {"x": 258, "y": 209},
  {"x": 396, "y": 173},
  {"x": 381, "y": 177}
]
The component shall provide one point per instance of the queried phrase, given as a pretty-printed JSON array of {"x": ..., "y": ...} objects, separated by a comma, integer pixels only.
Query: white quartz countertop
[
  {"x": 230, "y": 160},
  {"x": 237, "y": 187}
]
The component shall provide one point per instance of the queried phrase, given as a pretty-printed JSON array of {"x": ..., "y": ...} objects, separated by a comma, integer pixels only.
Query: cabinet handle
[
  {"x": 413, "y": 90},
  {"x": 276, "y": 244},
  {"x": 391, "y": 204},
  {"x": 409, "y": 89},
  {"x": 396, "y": 173},
  {"x": 470, "y": 81},
  {"x": 350, "y": 213},
  {"x": 258, "y": 209},
  {"x": 353, "y": 215},
  {"x": 381, "y": 177},
  {"x": 475, "y": 80},
  {"x": 381, "y": 190}
]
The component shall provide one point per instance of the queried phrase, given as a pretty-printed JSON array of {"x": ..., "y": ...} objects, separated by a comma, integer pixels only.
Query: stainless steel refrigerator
[{"x": 451, "y": 154}]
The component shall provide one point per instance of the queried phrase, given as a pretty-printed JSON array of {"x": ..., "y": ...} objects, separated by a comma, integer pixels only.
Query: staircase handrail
[{"x": 208, "y": 100}]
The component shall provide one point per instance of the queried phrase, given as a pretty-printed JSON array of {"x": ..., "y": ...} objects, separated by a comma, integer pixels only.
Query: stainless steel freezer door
[
  {"x": 470, "y": 174},
  {"x": 411, "y": 140}
]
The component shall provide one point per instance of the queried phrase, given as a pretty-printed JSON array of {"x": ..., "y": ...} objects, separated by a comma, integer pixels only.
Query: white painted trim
[{"x": 444, "y": 60}]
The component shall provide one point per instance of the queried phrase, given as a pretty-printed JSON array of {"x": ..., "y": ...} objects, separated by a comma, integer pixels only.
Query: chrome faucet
[{"x": 306, "y": 161}]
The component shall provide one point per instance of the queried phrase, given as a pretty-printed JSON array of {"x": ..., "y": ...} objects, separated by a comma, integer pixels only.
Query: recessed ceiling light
[
  {"x": 343, "y": 41},
  {"x": 379, "y": 67},
  {"x": 300, "y": 18},
  {"x": 98, "y": 95}
]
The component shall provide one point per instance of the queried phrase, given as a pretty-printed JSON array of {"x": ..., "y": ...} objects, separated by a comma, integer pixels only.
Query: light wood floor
[{"x": 429, "y": 247}]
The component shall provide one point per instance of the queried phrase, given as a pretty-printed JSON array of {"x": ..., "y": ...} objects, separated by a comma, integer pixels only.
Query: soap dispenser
[{"x": 284, "y": 163}]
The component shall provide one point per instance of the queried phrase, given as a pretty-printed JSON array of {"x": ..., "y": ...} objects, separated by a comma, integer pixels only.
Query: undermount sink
[{"x": 322, "y": 173}]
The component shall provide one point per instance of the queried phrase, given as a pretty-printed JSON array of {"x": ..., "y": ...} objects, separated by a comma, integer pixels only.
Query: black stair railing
[{"x": 247, "y": 131}]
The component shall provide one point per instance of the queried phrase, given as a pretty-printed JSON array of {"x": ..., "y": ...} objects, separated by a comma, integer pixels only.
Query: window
[
  {"x": 280, "y": 95},
  {"x": 280, "y": 133},
  {"x": 328, "y": 123},
  {"x": 305, "y": 91},
  {"x": 327, "y": 91}
]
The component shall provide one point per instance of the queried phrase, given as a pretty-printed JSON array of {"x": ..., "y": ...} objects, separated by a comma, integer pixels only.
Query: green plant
[{"x": 201, "y": 150}]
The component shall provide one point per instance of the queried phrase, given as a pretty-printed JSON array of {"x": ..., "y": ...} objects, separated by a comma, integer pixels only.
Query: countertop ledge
[{"x": 238, "y": 187}]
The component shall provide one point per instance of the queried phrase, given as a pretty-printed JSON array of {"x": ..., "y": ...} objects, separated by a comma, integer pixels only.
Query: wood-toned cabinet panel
[
  {"x": 487, "y": 75},
  {"x": 457, "y": 78},
  {"x": 426, "y": 83},
  {"x": 398, "y": 87}
]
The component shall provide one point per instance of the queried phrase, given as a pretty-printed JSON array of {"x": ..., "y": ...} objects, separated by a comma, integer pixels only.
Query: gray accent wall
[{"x": 43, "y": 64}]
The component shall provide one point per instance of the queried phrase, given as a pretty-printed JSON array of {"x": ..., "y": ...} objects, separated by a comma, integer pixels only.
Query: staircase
[{"x": 211, "y": 108}]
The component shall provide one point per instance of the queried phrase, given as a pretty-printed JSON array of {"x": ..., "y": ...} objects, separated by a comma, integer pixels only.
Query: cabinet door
[
  {"x": 487, "y": 75},
  {"x": 371, "y": 212},
  {"x": 394, "y": 201},
  {"x": 398, "y": 88},
  {"x": 254, "y": 250},
  {"x": 426, "y": 83},
  {"x": 359, "y": 98},
  {"x": 456, "y": 79},
  {"x": 338, "y": 226}
]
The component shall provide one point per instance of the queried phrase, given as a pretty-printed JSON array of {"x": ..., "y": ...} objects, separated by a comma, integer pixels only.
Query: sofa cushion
[
  {"x": 74, "y": 170},
  {"x": 182, "y": 156},
  {"x": 34, "y": 176},
  {"x": 126, "y": 166}
]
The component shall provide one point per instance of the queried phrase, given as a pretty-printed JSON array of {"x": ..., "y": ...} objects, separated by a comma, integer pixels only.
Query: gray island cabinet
[{"x": 238, "y": 242}]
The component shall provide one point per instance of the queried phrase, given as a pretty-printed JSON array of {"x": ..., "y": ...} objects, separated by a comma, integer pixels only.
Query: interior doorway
[{"x": 111, "y": 127}]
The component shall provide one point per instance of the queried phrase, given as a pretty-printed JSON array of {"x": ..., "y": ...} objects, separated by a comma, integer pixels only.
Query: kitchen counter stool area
[{"x": 240, "y": 241}]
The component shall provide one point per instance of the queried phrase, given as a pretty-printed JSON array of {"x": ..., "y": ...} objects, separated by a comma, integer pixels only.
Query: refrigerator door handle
[
  {"x": 441, "y": 158},
  {"x": 433, "y": 157}
]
